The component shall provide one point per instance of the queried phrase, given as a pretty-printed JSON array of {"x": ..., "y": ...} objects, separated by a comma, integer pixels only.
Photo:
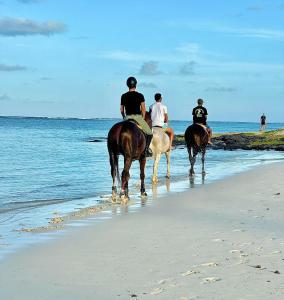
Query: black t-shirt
[
  {"x": 199, "y": 115},
  {"x": 263, "y": 120},
  {"x": 132, "y": 101}
]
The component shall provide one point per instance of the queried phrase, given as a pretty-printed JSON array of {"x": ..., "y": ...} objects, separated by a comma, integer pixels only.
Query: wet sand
[{"x": 219, "y": 241}]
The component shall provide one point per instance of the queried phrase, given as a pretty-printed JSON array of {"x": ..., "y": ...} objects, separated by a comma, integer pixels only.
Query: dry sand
[{"x": 220, "y": 241}]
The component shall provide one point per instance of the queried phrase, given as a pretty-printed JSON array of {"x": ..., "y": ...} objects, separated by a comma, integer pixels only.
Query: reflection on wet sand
[
  {"x": 192, "y": 180},
  {"x": 155, "y": 188}
]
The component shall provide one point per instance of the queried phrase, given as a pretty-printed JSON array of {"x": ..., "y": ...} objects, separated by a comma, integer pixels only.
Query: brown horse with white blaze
[
  {"x": 196, "y": 138},
  {"x": 127, "y": 139}
]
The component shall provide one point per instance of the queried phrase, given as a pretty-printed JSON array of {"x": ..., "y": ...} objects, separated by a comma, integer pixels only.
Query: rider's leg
[
  {"x": 170, "y": 133},
  {"x": 148, "y": 131},
  {"x": 209, "y": 130},
  {"x": 148, "y": 151}
]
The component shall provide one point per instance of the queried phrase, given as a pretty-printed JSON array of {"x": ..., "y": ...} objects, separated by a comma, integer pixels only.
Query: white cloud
[
  {"x": 19, "y": 26},
  {"x": 149, "y": 85},
  {"x": 263, "y": 33},
  {"x": 11, "y": 68},
  {"x": 5, "y": 97},
  {"x": 149, "y": 68}
]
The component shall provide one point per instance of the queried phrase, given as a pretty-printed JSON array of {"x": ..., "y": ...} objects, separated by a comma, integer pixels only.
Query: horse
[
  {"x": 127, "y": 139},
  {"x": 160, "y": 144},
  {"x": 196, "y": 138}
]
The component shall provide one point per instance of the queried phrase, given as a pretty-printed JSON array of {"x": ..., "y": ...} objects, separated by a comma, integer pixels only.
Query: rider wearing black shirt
[
  {"x": 200, "y": 117},
  {"x": 132, "y": 107}
]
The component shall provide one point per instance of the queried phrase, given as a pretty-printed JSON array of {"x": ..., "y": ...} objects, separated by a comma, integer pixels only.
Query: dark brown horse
[
  {"x": 196, "y": 138},
  {"x": 127, "y": 139}
]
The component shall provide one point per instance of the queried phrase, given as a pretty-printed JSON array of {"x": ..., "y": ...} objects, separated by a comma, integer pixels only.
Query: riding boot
[{"x": 148, "y": 151}]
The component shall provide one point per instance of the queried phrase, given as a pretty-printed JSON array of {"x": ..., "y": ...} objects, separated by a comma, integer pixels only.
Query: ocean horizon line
[{"x": 115, "y": 118}]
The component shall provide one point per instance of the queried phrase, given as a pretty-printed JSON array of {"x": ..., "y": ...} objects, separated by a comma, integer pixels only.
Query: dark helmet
[
  {"x": 200, "y": 101},
  {"x": 131, "y": 82}
]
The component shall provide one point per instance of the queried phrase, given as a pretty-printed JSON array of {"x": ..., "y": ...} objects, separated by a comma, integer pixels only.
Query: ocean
[{"x": 49, "y": 167}]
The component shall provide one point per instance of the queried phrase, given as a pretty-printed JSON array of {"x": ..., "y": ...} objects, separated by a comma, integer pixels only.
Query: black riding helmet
[{"x": 131, "y": 82}]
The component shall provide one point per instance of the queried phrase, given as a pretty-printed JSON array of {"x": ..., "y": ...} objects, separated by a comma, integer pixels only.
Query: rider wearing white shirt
[{"x": 159, "y": 116}]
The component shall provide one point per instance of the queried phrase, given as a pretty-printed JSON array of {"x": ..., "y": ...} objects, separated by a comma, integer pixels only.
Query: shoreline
[
  {"x": 57, "y": 221},
  {"x": 177, "y": 247}
]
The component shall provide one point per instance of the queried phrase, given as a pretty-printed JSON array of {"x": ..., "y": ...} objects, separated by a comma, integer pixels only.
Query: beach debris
[
  {"x": 276, "y": 272},
  {"x": 190, "y": 272},
  {"x": 41, "y": 228},
  {"x": 257, "y": 266},
  {"x": 211, "y": 279},
  {"x": 133, "y": 296},
  {"x": 239, "y": 230},
  {"x": 56, "y": 220},
  {"x": 157, "y": 291},
  {"x": 276, "y": 252},
  {"x": 277, "y": 194}
]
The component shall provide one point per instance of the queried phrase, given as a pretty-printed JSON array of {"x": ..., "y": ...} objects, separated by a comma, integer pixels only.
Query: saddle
[{"x": 134, "y": 122}]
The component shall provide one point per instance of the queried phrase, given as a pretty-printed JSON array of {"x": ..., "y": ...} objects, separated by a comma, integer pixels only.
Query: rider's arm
[
  {"x": 166, "y": 118},
  {"x": 122, "y": 111},
  {"x": 143, "y": 109}
]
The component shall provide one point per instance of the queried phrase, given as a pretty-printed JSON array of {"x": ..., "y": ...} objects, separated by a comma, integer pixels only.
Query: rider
[
  {"x": 200, "y": 117},
  {"x": 159, "y": 116},
  {"x": 133, "y": 107}
]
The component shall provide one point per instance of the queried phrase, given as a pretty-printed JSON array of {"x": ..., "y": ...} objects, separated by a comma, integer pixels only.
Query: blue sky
[{"x": 72, "y": 58}]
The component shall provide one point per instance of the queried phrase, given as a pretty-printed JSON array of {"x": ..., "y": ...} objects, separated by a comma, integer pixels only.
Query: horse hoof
[
  {"x": 168, "y": 176},
  {"x": 124, "y": 199},
  {"x": 155, "y": 181},
  {"x": 144, "y": 194}
]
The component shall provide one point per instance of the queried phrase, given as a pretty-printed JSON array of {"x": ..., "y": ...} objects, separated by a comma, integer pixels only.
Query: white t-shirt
[{"x": 158, "y": 111}]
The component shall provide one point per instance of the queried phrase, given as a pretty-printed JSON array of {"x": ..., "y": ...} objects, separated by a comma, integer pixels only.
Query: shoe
[{"x": 148, "y": 153}]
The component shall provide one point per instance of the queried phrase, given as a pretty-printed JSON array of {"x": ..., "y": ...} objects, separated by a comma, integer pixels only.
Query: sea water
[{"x": 50, "y": 167}]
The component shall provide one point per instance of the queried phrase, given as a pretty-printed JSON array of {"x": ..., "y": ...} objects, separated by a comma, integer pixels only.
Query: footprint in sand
[
  {"x": 190, "y": 272},
  {"x": 218, "y": 240},
  {"x": 211, "y": 279},
  {"x": 156, "y": 291},
  {"x": 210, "y": 264}
]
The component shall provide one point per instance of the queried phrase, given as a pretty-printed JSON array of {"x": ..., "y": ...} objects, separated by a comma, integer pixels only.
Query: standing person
[
  {"x": 200, "y": 117},
  {"x": 262, "y": 122},
  {"x": 159, "y": 116},
  {"x": 132, "y": 107}
]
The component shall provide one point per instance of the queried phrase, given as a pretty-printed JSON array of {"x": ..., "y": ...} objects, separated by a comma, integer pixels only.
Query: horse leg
[
  {"x": 142, "y": 162},
  {"x": 203, "y": 161},
  {"x": 168, "y": 157},
  {"x": 192, "y": 159},
  {"x": 124, "y": 179},
  {"x": 155, "y": 168},
  {"x": 113, "y": 159}
]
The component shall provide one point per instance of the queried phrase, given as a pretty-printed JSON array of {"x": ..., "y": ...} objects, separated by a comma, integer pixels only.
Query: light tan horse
[{"x": 160, "y": 144}]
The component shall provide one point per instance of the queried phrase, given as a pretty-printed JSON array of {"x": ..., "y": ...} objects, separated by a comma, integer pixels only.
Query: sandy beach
[{"x": 223, "y": 240}]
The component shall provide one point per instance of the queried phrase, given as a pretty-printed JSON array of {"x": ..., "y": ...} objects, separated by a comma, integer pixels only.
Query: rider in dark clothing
[
  {"x": 200, "y": 117},
  {"x": 132, "y": 107}
]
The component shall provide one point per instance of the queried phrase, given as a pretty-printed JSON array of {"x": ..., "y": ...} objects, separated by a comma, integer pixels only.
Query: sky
[{"x": 62, "y": 58}]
